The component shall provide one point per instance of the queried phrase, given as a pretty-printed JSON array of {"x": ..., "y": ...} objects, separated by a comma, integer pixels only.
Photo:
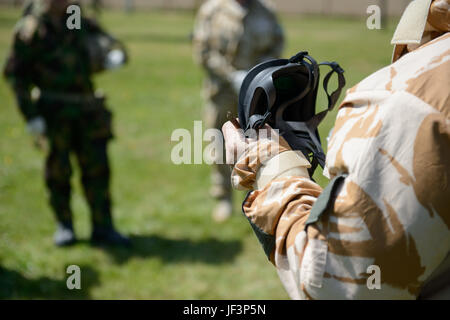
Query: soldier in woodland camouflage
[
  {"x": 54, "y": 61},
  {"x": 230, "y": 37},
  {"x": 391, "y": 210}
]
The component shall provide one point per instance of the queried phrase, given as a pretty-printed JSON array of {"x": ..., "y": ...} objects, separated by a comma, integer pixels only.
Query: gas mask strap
[{"x": 334, "y": 96}]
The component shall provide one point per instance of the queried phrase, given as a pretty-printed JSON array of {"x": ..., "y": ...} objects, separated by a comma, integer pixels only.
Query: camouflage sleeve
[
  {"x": 205, "y": 53},
  {"x": 279, "y": 204},
  {"x": 332, "y": 257},
  {"x": 386, "y": 229},
  {"x": 17, "y": 71},
  {"x": 279, "y": 212}
]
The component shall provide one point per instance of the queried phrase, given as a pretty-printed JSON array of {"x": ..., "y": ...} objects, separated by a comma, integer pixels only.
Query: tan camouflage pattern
[
  {"x": 392, "y": 140},
  {"x": 229, "y": 37},
  {"x": 439, "y": 15}
]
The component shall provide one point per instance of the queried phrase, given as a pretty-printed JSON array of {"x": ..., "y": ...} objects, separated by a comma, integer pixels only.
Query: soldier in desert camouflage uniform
[
  {"x": 390, "y": 149},
  {"x": 48, "y": 56},
  {"x": 230, "y": 37}
]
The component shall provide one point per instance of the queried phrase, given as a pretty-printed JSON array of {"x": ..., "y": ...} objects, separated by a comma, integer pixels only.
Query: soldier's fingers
[
  {"x": 231, "y": 131},
  {"x": 234, "y": 142}
]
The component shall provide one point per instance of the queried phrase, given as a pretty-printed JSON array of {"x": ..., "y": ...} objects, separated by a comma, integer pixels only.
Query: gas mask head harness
[{"x": 283, "y": 93}]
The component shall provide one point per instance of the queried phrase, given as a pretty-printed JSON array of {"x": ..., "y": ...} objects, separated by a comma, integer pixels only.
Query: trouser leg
[
  {"x": 215, "y": 116},
  {"x": 95, "y": 177},
  {"x": 57, "y": 176}
]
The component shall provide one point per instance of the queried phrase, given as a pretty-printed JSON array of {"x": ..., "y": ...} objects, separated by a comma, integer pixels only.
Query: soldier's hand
[
  {"x": 37, "y": 128},
  {"x": 250, "y": 151},
  {"x": 264, "y": 142}
]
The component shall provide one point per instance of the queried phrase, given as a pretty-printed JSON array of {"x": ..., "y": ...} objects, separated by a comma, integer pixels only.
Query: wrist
[{"x": 288, "y": 163}]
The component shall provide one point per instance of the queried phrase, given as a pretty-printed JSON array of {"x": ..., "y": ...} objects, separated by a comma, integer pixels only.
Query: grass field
[{"x": 178, "y": 253}]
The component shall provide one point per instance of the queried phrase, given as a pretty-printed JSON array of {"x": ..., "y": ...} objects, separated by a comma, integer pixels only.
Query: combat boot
[
  {"x": 64, "y": 235},
  {"x": 108, "y": 236}
]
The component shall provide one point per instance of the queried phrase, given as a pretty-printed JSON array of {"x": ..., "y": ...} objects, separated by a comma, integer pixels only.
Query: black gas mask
[{"x": 283, "y": 93}]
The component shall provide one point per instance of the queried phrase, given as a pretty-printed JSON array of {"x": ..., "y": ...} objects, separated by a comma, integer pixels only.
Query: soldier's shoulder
[
  {"x": 427, "y": 63},
  {"x": 28, "y": 27}
]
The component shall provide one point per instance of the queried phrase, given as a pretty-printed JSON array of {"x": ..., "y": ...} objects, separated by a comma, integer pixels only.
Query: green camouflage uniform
[
  {"x": 55, "y": 60},
  {"x": 229, "y": 37}
]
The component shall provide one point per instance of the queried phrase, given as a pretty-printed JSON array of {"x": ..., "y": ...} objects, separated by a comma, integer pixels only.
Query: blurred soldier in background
[
  {"x": 381, "y": 228},
  {"x": 230, "y": 37},
  {"x": 49, "y": 69},
  {"x": 97, "y": 6}
]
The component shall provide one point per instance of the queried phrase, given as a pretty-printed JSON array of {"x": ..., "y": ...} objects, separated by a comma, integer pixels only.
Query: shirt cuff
[{"x": 288, "y": 163}]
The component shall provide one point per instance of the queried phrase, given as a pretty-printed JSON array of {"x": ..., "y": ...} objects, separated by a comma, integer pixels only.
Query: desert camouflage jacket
[
  {"x": 51, "y": 58},
  {"x": 391, "y": 144},
  {"x": 229, "y": 37}
]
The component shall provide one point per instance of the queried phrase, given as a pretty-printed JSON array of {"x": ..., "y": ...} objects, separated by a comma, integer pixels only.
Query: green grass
[{"x": 179, "y": 253}]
